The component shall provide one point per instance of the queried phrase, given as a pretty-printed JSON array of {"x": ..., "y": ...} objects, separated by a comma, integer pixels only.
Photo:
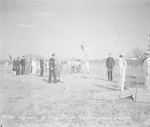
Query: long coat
[
  {"x": 146, "y": 68},
  {"x": 122, "y": 72}
]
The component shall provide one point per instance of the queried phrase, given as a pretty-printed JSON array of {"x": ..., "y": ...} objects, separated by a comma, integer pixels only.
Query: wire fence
[{"x": 134, "y": 80}]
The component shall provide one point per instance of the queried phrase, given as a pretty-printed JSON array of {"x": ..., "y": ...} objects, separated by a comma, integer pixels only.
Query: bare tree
[{"x": 137, "y": 53}]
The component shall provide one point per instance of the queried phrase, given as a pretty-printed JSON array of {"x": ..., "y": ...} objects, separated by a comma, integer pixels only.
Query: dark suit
[
  {"x": 17, "y": 67},
  {"x": 22, "y": 66},
  {"x": 110, "y": 63},
  {"x": 42, "y": 67},
  {"x": 52, "y": 70}
]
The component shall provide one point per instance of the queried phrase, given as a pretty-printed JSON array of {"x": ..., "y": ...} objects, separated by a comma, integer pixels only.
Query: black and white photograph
[{"x": 74, "y": 63}]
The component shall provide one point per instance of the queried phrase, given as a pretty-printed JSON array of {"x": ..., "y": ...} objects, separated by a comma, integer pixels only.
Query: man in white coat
[
  {"x": 122, "y": 71},
  {"x": 33, "y": 64},
  {"x": 146, "y": 67}
]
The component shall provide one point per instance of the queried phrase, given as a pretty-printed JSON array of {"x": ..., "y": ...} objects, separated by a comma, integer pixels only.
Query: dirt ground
[{"x": 29, "y": 101}]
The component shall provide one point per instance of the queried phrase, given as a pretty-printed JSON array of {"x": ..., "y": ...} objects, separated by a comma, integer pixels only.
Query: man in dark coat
[
  {"x": 18, "y": 63},
  {"x": 52, "y": 69},
  {"x": 23, "y": 65},
  {"x": 41, "y": 67},
  {"x": 110, "y": 63}
]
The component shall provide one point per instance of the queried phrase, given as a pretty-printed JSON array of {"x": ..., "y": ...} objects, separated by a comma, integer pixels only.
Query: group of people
[
  {"x": 122, "y": 67},
  {"x": 19, "y": 66},
  {"x": 56, "y": 67},
  {"x": 122, "y": 64}
]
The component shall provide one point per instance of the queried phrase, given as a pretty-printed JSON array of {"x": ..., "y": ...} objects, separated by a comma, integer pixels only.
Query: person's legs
[
  {"x": 50, "y": 76},
  {"x": 123, "y": 82},
  {"x": 108, "y": 74},
  {"x": 146, "y": 82},
  {"x": 23, "y": 69},
  {"x": 54, "y": 76},
  {"x": 41, "y": 72},
  {"x": 111, "y": 76},
  {"x": 18, "y": 70}
]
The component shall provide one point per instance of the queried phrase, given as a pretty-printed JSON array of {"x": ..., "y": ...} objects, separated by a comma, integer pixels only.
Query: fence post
[
  {"x": 117, "y": 74},
  {"x": 137, "y": 82},
  {"x": 104, "y": 82}
]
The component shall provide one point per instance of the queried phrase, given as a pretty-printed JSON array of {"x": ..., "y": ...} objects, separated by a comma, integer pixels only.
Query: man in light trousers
[{"x": 122, "y": 71}]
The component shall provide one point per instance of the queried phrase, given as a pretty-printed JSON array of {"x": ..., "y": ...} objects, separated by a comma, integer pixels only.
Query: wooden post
[
  {"x": 104, "y": 83},
  {"x": 137, "y": 82},
  {"x": 117, "y": 76}
]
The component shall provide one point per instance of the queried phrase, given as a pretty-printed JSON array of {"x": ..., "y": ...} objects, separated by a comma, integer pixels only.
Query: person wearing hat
[
  {"x": 122, "y": 71},
  {"x": 33, "y": 65},
  {"x": 110, "y": 63},
  {"x": 18, "y": 64},
  {"x": 14, "y": 67},
  {"x": 52, "y": 69},
  {"x": 146, "y": 67},
  {"x": 23, "y": 65},
  {"x": 41, "y": 67}
]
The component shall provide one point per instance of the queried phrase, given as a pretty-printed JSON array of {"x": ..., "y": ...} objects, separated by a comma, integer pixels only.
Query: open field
[{"x": 29, "y": 101}]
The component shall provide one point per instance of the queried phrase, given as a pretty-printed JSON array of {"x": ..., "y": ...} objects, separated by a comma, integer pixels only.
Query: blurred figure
[
  {"x": 41, "y": 67},
  {"x": 122, "y": 71},
  {"x": 14, "y": 67},
  {"x": 110, "y": 63},
  {"x": 69, "y": 66},
  {"x": 72, "y": 66},
  {"x": 52, "y": 69},
  {"x": 23, "y": 65},
  {"x": 18, "y": 64},
  {"x": 77, "y": 66},
  {"x": 59, "y": 68},
  {"x": 146, "y": 67},
  {"x": 28, "y": 66},
  {"x": 46, "y": 67},
  {"x": 33, "y": 65},
  {"x": 85, "y": 68}
]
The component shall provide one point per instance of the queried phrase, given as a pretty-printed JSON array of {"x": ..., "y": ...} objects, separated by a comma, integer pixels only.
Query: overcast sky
[{"x": 60, "y": 26}]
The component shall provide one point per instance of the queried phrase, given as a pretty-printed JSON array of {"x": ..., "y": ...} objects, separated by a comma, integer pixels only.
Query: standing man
[
  {"x": 18, "y": 66},
  {"x": 14, "y": 67},
  {"x": 122, "y": 71},
  {"x": 146, "y": 67},
  {"x": 23, "y": 65},
  {"x": 52, "y": 69},
  {"x": 110, "y": 63},
  {"x": 41, "y": 67},
  {"x": 33, "y": 65}
]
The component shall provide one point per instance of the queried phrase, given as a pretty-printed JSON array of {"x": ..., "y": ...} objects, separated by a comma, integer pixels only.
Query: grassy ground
[{"x": 29, "y": 101}]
